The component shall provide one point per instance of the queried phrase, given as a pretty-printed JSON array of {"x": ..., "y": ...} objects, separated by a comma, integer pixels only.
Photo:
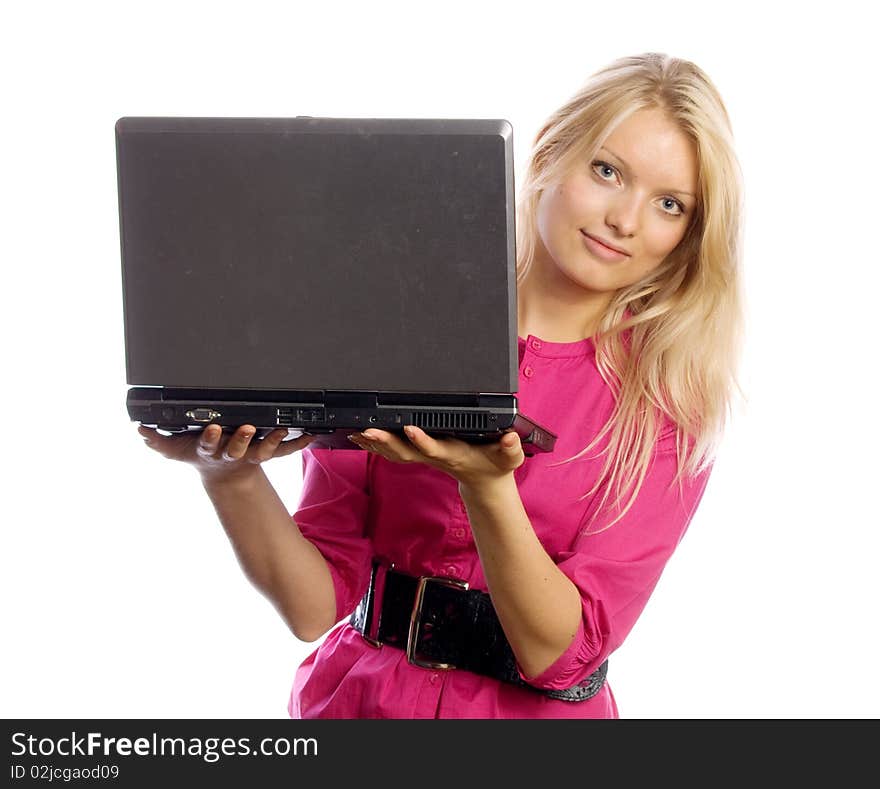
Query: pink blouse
[{"x": 356, "y": 506}]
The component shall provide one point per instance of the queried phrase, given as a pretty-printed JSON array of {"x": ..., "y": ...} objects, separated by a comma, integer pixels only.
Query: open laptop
[{"x": 321, "y": 274}]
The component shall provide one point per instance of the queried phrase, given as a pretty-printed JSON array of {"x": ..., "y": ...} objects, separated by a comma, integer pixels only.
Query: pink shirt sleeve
[
  {"x": 616, "y": 570},
  {"x": 332, "y": 514}
]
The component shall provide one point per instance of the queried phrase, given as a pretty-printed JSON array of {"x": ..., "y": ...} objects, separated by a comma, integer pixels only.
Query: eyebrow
[{"x": 623, "y": 162}]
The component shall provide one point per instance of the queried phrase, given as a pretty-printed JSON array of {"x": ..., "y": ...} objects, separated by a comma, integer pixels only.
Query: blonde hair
[{"x": 668, "y": 345}]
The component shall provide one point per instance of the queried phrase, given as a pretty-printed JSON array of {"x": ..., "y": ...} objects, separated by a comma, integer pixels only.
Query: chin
[{"x": 593, "y": 282}]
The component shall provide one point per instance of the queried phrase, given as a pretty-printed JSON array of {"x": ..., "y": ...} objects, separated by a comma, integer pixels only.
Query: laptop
[{"x": 325, "y": 275}]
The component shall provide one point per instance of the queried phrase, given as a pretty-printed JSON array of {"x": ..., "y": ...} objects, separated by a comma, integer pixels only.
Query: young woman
[{"x": 466, "y": 580}]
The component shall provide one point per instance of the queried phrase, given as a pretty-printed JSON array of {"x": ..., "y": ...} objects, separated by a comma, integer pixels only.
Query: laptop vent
[{"x": 461, "y": 420}]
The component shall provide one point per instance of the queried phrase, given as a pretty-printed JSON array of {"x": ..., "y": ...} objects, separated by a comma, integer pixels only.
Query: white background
[{"x": 121, "y": 595}]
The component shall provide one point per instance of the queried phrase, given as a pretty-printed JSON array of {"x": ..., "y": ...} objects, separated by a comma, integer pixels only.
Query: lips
[
  {"x": 601, "y": 250},
  {"x": 605, "y": 244}
]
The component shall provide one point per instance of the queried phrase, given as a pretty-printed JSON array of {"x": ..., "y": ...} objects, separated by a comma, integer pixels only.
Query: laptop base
[{"x": 333, "y": 416}]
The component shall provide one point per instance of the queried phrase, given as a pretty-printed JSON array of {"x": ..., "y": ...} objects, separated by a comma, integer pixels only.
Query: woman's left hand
[{"x": 470, "y": 464}]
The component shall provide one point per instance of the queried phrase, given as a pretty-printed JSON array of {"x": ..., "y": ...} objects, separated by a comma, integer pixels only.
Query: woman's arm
[
  {"x": 281, "y": 563},
  {"x": 538, "y": 606},
  {"x": 275, "y": 557}
]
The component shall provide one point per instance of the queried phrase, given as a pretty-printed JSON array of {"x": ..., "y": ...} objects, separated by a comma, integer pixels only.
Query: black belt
[{"x": 441, "y": 624}]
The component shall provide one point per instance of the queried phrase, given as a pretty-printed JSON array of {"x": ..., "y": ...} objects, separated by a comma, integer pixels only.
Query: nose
[{"x": 623, "y": 214}]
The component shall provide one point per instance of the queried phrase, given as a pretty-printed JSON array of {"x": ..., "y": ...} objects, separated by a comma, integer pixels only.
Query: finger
[
  {"x": 151, "y": 438},
  {"x": 388, "y": 445},
  {"x": 511, "y": 449},
  {"x": 510, "y": 443},
  {"x": 265, "y": 449},
  {"x": 294, "y": 445},
  {"x": 371, "y": 442},
  {"x": 237, "y": 445},
  {"x": 384, "y": 439},
  {"x": 425, "y": 444},
  {"x": 209, "y": 441},
  {"x": 374, "y": 434},
  {"x": 356, "y": 439}
]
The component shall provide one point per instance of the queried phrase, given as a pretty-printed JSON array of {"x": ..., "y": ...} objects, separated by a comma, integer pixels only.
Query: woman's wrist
[
  {"x": 242, "y": 481},
  {"x": 486, "y": 491}
]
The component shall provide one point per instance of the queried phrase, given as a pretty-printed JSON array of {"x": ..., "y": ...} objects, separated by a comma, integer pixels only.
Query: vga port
[{"x": 203, "y": 414}]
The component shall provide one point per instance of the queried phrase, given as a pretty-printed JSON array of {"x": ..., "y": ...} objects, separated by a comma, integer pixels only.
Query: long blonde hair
[{"x": 668, "y": 345}]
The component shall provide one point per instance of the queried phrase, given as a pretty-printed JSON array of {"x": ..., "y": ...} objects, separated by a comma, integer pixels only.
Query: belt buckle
[
  {"x": 370, "y": 607},
  {"x": 415, "y": 619}
]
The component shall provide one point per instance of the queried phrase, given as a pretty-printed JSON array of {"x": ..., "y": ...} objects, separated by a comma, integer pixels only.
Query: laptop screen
[{"x": 318, "y": 253}]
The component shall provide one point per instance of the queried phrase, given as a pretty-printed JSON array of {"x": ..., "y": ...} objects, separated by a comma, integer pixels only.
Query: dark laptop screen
[{"x": 317, "y": 253}]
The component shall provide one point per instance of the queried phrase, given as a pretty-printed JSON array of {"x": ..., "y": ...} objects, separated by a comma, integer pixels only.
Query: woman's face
[{"x": 638, "y": 195}]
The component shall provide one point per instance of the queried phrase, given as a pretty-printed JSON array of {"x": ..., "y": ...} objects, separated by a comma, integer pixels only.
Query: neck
[{"x": 551, "y": 307}]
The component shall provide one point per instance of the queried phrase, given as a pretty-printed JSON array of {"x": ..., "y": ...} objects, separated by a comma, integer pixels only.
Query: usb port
[{"x": 288, "y": 417}]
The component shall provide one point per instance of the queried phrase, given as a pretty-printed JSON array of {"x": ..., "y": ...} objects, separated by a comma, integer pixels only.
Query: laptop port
[
  {"x": 203, "y": 414},
  {"x": 288, "y": 417}
]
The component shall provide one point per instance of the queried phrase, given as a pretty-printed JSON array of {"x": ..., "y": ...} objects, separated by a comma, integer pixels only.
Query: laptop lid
[{"x": 318, "y": 253}]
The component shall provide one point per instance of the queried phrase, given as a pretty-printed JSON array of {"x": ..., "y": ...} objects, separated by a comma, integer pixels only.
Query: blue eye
[
  {"x": 601, "y": 168},
  {"x": 669, "y": 203}
]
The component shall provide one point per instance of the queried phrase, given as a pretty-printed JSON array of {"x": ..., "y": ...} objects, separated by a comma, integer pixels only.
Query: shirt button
[
  {"x": 434, "y": 678},
  {"x": 458, "y": 533},
  {"x": 452, "y": 571},
  {"x": 529, "y": 372},
  {"x": 536, "y": 344}
]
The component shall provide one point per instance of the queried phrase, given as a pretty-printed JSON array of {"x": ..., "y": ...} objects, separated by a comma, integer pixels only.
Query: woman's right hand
[{"x": 220, "y": 457}]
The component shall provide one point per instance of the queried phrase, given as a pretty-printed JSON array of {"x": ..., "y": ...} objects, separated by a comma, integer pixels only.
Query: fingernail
[{"x": 408, "y": 429}]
